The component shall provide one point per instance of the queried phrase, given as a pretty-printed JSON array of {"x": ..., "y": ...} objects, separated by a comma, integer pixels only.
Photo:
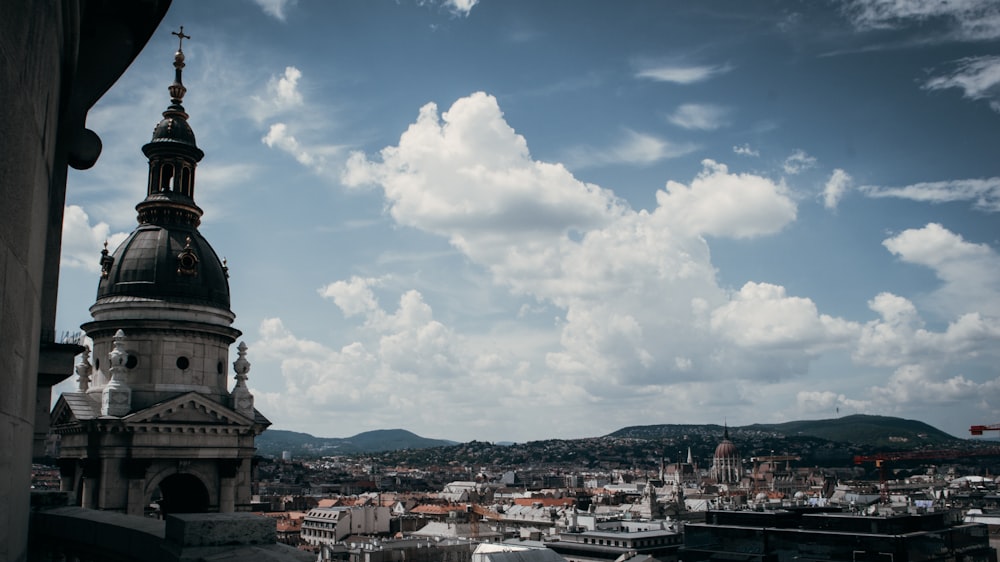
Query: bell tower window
[
  {"x": 186, "y": 184},
  {"x": 167, "y": 177}
]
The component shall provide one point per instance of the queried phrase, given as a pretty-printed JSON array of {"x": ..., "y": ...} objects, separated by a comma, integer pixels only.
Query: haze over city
[{"x": 516, "y": 220}]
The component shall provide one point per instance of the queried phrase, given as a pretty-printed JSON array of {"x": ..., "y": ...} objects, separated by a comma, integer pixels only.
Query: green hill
[
  {"x": 275, "y": 441},
  {"x": 883, "y": 432},
  {"x": 880, "y": 431}
]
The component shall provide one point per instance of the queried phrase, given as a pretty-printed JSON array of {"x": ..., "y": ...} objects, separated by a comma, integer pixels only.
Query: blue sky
[{"x": 516, "y": 220}]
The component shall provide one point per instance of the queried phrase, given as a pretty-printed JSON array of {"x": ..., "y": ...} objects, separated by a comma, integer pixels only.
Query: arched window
[
  {"x": 167, "y": 177},
  {"x": 187, "y": 186}
]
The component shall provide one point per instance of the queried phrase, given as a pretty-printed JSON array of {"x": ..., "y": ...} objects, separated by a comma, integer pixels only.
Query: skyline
[{"x": 509, "y": 221}]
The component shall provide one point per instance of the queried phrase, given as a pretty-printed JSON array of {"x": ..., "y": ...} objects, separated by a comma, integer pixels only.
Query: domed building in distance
[
  {"x": 153, "y": 419},
  {"x": 726, "y": 465}
]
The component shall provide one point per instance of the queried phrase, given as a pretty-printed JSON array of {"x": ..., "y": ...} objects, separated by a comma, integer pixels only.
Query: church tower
[{"x": 153, "y": 420}]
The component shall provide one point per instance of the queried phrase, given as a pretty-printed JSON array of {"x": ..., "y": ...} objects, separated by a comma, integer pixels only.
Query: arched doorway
[{"x": 183, "y": 493}]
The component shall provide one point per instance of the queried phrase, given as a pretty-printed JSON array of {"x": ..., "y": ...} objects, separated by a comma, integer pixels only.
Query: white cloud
[
  {"x": 763, "y": 316},
  {"x": 835, "y": 189},
  {"x": 633, "y": 148},
  {"x": 718, "y": 203},
  {"x": 276, "y": 8},
  {"x": 798, "y": 162},
  {"x": 460, "y": 7},
  {"x": 680, "y": 74},
  {"x": 82, "y": 243},
  {"x": 984, "y": 193},
  {"x": 278, "y": 137},
  {"x": 542, "y": 233},
  {"x": 977, "y": 77},
  {"x": 703, "y": 117},
  {"x": 972, "y": 19},
  {"x": 970, "y": 272},
  {"x": 745, "y": 150},
  {"x": 918, "y": 385},
  {"x": 283, "y": 95},
  {"x": 812, "y": 401}
]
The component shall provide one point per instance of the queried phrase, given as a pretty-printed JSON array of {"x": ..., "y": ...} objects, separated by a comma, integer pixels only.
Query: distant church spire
[{"x": 173, "y": 156}]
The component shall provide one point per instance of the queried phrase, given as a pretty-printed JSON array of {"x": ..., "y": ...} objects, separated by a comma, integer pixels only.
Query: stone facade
[
  {"x": 56, "y": 59},
  {"x": 155, "y": 422}
]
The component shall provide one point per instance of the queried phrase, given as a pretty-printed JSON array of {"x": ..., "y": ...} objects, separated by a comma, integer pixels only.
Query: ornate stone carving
[
  {"x": 116, "y": 399},
  {"x": 187, "y": 260},
  {"x": 242, "y": 400},
  {"x": 83, "y": 370}
]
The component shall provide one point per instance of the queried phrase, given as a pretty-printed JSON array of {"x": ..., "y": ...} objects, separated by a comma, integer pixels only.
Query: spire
[{"x": 173, "y": 156}]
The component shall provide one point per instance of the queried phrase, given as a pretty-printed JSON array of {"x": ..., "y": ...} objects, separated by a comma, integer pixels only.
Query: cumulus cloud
[
  {"x": 82, "y": 242},
  {"x": 970, "y": 272},
  {"x": 900, "y": 338},
  {"x": 984, "y": 193},
  {"x": 275, "y": 8},
  {"x": 762, "y": 315},
  {"x": 922, "y": 386},
  {"x": 970, "y": 19},
  {"x": 699, "y": 116},
  {"x": 542, "y": 233},
  {"x": 638, "y": 310},
  {"x": 718, "y": 203},
  {"x": 798, "y": 162},
  {"x": 745, "y": 150},
  {"x": 682, "y": 74},
  {"x": 835, "y": 189}
]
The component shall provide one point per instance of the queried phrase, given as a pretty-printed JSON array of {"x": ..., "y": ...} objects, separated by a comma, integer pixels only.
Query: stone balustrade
[{"x": 76, "y": 534}]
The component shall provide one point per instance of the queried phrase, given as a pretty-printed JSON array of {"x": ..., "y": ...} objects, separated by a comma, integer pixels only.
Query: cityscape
[{"x": 653, "y": 385}]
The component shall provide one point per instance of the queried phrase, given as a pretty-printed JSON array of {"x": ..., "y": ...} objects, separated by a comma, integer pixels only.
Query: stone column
[
  {"x": 228, "y": 472},
  {"x": 135, "y": 471},
  {"x": 227, "y": 495}
]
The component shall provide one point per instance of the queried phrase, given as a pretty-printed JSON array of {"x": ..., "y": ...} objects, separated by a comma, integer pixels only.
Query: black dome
[
  {"x": 173, "y": 264},
  {"x": 175, "y": 129}
]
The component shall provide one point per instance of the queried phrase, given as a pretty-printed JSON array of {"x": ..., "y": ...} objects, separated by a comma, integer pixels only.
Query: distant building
[
  {"x": 818, "y": 534},
  {"x": 490, "y": 552},
  {"x": 404, "y": 550},
  {"x": 330, "y": 525},
  {"x": 727, "y": 468},
  {"x": 616, "y": 540}
]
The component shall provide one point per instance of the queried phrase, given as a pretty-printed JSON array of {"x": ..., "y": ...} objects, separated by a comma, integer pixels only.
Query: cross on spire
[{"x": 180, "y": 37}]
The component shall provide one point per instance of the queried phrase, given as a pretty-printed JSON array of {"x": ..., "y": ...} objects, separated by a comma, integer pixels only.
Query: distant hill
[
  {"x": 859, "y": 429},
  {"x": 883, "y": 431},
  {"x": 275, "y": 441}
]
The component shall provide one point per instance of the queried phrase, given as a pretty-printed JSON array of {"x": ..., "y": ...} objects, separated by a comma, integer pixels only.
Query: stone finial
[
  {"x": 116, "y": 399},
  {"x": 83, "y": 370},
  {"x": 242, "y": 400}
]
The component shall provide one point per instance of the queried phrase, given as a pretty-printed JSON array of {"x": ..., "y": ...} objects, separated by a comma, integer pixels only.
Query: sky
[{"x": 512, "y": 220}]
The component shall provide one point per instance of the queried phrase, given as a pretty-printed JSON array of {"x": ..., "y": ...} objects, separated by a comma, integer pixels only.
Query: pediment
[
  {"x": 73, "y": 407},
  {"x": 189, "y": 409}
]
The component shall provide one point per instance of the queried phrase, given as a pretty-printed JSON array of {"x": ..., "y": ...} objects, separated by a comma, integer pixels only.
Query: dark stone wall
[
  {"x": 57, "y": 57},
  {"x": 33, "y": 42}
]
